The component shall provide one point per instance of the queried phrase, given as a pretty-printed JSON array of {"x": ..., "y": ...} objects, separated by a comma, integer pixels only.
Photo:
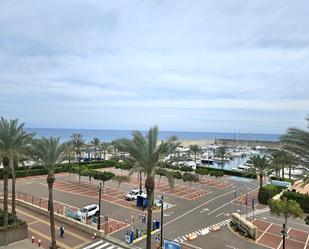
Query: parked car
[
  {"x": 132, "y": 195},
  {"x": 90, "y": 210}
]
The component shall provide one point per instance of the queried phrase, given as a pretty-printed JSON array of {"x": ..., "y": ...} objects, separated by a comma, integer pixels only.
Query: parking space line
[
  {"x": 263, "y": 233},
  {"x": 306, "y": 241},
  {"x": 282, "y": 240}
]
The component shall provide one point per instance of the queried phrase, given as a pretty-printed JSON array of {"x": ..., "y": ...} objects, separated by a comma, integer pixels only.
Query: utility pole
[
  {"x": 99, "y": 217},
  {"x": 161, "y": 235}
]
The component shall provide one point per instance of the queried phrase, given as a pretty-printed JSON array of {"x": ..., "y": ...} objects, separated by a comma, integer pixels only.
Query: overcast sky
[{"x": 185, "y": 65}]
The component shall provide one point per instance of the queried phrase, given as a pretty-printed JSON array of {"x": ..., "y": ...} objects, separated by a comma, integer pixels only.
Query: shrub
[
  {"x": 280, "y": 179},
  {"x": 246, "y": 174},
  {"x": 216, "y": 173},
  {"x": 302, "y": 199},
  {"x": 267, "y": 192},
  {"x": 40, "y": 170},
  {"x": 176, "y": 174},
  {"x": 186, "y": 168}
]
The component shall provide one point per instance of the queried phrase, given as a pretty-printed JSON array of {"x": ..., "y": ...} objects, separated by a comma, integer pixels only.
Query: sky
[{"x": 217, "y": 66}]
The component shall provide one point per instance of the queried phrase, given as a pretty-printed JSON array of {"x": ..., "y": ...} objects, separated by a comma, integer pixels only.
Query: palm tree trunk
[
  {"x": 290, "y": 172},
  {"x": 15, "y": 164},
  {"x": 149, "y": 185},
  {"x": 5, "y": 191},
  {"x": 140, "y": 181},
  {"x": 50, "y": 182},
  {"x": 261, "y": 181},
  {"x": 282, "y": 172}
]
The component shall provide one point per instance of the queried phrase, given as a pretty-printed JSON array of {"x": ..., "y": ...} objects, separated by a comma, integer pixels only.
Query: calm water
[{"x": 109, "y": 135}]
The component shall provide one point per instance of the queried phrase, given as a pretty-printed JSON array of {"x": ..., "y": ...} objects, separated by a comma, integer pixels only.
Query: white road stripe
[
  {"x": 103, "y": 246},
  {"x": 94, "y": 244}
]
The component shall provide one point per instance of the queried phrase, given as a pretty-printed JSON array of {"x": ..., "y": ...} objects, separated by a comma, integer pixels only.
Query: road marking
[
  {"x": 263, "y": 233},
  {"x": 169, "y": 214},
  {"x": 201, "y": 205},
  {"x": 204, "y": 210},
  {"x": 34, "y": 222},
  {"x": 282, "y": 240},
  {"x": 306, "y": 241}
]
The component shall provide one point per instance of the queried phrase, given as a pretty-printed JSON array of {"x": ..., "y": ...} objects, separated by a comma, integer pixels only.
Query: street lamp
[
  {"x": 99, "y": 217},
  {"x": 283, "y": 232},
  {"x": 161, "y": 232}
]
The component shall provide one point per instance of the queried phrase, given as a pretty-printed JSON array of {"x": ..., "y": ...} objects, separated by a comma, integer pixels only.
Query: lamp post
[
  {"x": 283, "y": 232},
  {"x": 99, "y": 217},
  {"x": 161, "y": 232}
]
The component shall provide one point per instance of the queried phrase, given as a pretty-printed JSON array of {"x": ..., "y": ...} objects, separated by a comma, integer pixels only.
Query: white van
[
  {"x": 89, "y": 210},
  {"x": 132, "y": 195}
]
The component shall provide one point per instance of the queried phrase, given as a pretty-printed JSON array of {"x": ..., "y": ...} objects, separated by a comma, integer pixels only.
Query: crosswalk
[
  {"x": 102, "y": 244},
  {"x": 198, "y": 232}
]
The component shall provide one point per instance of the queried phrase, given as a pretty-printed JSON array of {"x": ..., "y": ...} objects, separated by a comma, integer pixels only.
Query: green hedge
[
  {"x": 280, "y": 179},
  {"x": 40, "y": 170},
  {"x": 176, "y": 175},
  {"x": 267, "y": 192},
  {"x": 302, "y": 199},
  {"x": 233, "y": 173}
]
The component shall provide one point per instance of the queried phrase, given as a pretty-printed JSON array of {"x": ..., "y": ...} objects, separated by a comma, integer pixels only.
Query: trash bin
[
  {"x": 157, "y": 224},
  {"x": 154, "y": 225}
]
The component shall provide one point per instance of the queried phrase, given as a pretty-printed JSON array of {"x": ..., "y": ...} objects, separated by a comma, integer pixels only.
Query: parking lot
[{"x": 269, "y": 235}]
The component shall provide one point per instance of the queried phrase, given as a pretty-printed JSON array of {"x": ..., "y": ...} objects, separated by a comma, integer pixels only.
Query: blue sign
[{"x": 171, "y": 245}]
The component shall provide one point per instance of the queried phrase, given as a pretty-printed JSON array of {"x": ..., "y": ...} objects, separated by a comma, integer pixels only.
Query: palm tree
[
  {"x": 261, "y": 166},
  {"x": 104, "y": 148},
  {"x": 12, "y": 141},
  {"x": 195, "y": 149},
  {"x": 296, "y": 141},
  {"x": 96, "y": 142},
  {"x": 221, "y": 153},
  {"x": 146, "y": 154},
  {"x": 50, "y": 153},
  {"x": 78, "y": 143},
  {"x": 23, "y": 142},
  {"x": 282, "y": 159}
]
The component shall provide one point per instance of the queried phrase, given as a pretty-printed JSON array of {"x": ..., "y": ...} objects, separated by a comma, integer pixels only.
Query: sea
[{"x": 110, "y": 135}]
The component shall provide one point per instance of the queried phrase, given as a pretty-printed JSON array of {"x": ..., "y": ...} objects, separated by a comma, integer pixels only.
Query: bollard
[
  {"x": 110, "y": 229},
  {"x": 132, "y": 219},
  {"x": 32, "y": 240},
  {"x": 40, "y": 201},
  {"x": 126, "y": 221},
  {"x": 32, "y": 199},
  {"x": 39, "y": 243},
  {"x": 118, "y": 225},
  {"x": 94, "y": 236}
]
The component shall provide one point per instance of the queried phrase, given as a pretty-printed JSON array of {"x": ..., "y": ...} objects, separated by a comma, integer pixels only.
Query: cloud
[{"x": 237, "y": 62}]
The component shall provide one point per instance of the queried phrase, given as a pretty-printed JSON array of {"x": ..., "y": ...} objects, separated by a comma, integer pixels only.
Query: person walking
[{"x": 62, "y": 231}]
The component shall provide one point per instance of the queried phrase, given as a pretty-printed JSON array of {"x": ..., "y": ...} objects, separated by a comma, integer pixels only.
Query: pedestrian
[{"x": 62, "y": 231}]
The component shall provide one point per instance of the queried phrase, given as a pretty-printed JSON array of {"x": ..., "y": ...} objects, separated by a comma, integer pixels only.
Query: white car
[
  {"x": 90, "y": 211},
  {"x": 132, "y": 195}
]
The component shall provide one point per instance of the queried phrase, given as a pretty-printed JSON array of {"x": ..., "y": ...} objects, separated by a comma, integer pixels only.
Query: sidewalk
[
  {"x": 23, "y": 244},
  {"x": 38, "y": 226}
]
